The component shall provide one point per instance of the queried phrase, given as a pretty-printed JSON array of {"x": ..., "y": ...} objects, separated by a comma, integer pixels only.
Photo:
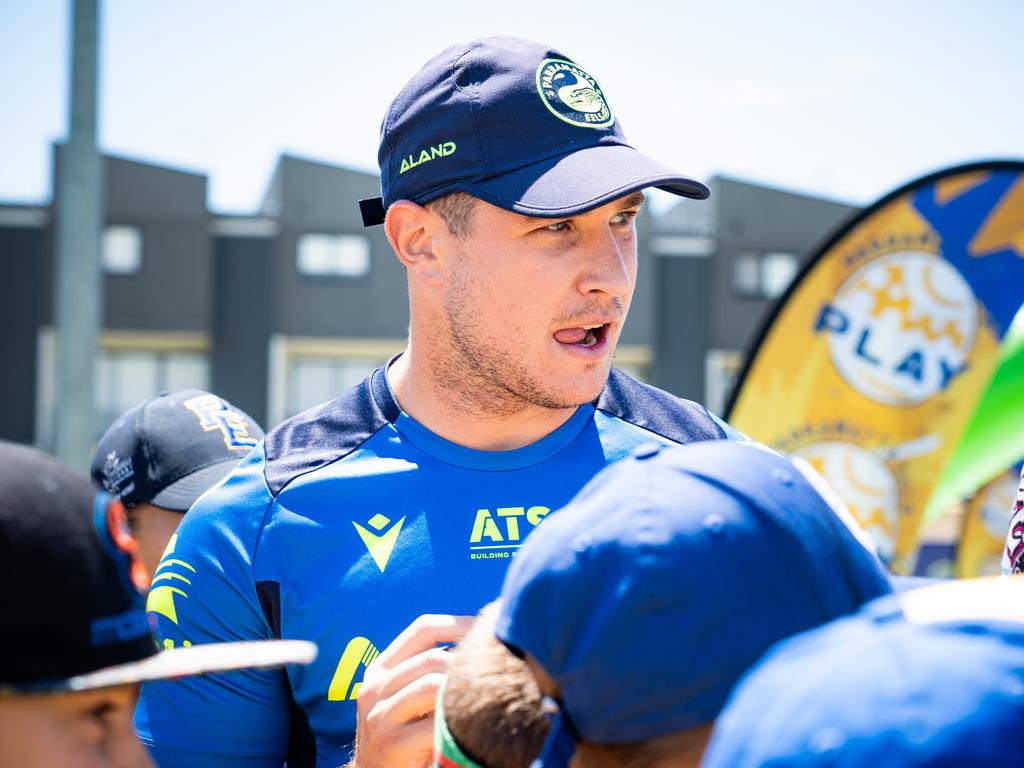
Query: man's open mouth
[{"x": 583, "y": 336}]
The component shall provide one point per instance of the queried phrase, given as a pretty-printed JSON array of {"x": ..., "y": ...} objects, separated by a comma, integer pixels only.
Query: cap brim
[
  {"x": 181, "y": 662},
  {"x": 182, "y": 493},
  {"x": 581, "y": 181},
  {"x": 566, "y": 185},
  {"x": 908, "y": 583}
]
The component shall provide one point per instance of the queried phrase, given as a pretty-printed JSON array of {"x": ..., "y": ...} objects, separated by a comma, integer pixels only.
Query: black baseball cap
[
  {"x": 172, "y": 448},
  {"x": 517, "y": 124},
  {"x": 73, "y": 607}
]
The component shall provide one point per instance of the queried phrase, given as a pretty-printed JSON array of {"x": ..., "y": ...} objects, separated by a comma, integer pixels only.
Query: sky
[{"x": 846, "y": 100}]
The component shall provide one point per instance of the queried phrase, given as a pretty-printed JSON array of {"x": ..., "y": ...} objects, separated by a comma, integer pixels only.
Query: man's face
[
  {"x": 535, "y": 306},
  {"x": 75, "y": 730}
]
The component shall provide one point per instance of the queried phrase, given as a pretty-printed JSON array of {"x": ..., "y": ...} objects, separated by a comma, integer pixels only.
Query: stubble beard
[{"x": 479, "y": 377}]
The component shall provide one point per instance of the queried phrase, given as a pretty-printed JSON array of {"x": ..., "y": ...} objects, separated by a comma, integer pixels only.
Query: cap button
[{"x": 647, "y": 450}]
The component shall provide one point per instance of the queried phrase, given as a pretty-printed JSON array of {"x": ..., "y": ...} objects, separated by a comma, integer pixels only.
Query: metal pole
[{"x": 79, "y": 218}]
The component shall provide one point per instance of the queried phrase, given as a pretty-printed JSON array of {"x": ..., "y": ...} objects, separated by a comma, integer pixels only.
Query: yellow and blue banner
[
  {"x": 875, "y": 359},
  {"x": 986, "y": 522}
]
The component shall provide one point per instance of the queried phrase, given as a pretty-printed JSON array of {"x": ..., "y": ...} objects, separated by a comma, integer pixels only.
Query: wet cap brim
[
  {"x": 180, "y": 662},
  {"x": 567, "y": 185},
  {"x": 182, "y": 493}
]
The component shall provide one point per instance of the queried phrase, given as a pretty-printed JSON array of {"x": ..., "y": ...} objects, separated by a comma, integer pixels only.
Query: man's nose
[{"x": 610, "y": 264}]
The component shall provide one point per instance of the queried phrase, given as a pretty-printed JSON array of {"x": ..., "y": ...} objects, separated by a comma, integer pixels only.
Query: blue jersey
[{"x": 344, "y": 525}]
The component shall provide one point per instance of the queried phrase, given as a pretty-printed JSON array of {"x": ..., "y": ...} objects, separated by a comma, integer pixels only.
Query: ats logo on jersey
[
  {"x": 167, "y": 583},
  {"x": 358, "y": 655},
  {"x": 380, "y": 545},
  {"x": 498, "y": 533}
]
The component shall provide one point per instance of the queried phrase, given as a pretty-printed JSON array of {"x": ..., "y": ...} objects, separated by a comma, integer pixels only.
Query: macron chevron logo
[{"x": 380, "y": 545}]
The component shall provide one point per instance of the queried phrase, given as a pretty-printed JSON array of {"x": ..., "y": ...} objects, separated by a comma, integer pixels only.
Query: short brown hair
[
  {"x": 491, "y": 701},
  {"x": 456, "y": 208}
]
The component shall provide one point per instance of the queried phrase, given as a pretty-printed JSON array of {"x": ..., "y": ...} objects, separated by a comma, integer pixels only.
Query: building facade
[{"x": 286, "y": 308}]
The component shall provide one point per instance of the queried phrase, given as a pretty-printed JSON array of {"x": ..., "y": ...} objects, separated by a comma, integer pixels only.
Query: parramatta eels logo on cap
[
  {"x": 901, "y": 327},
  {"x": 572, "y": 95}
]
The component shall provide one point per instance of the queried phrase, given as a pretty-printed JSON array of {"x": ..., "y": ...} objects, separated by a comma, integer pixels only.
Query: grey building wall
[
  {"x": 753, "y": 218},
  {"x": 22, "y": 286},
  {"x": 243, "y": 288},
  {"x": 173, "y": 288},
  {"x": 681, "y": 337},
  {"x": 312, "y": 197},
  {"x": 241, "y": 323},
  {"x": 640, "y": 325}
]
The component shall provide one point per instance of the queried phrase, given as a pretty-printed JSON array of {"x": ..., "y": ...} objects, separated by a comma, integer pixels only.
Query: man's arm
[{"x": 204, "y": 591}]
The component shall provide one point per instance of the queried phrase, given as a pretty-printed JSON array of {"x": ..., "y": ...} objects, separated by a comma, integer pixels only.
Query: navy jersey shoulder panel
[
  {"x": 328, "y": 432},
  {"x": 675, "y": 419}
]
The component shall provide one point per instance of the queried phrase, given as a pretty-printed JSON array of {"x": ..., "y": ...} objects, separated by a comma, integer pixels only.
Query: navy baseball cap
[
  {"x": 74, "y": 607},
  {"x": 933, "y": 677},
  {"x": 651, "y": 593},
  {"x": 517, "y": 124},
  {"x": 172, "y": 448}
]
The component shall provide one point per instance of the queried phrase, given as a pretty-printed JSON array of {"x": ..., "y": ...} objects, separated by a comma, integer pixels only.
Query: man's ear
[{"x": 413, "y": 232}]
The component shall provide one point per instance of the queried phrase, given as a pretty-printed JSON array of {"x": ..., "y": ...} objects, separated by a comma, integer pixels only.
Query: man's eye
[
  {"x": 558, "y": 226},
  {"x": 626, "y": 217}
]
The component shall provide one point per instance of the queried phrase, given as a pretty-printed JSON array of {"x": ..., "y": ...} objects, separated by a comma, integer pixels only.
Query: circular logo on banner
[
  {"x": 865, "y": 484},
  {"x": 572, "y": 95},
  {"x": 901, "y": 327}
]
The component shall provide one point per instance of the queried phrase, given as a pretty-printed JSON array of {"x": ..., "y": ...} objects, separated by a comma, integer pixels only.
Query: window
[
  {"x": 121, "y": 250},
  {"x": 777, "y": 272},
  {"x": 125, "y": 378},
  {"x": 325, "y": 255},
  {"x": 766, "y": 275},
  {"x": 683, "y": 245},
  {"x": 746, "y": 274},
  {"x": 306, "y": 371},
  {"x": 315, "y": 380}
]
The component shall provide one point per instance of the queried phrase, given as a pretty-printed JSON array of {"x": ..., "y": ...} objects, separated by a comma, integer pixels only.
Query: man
[
  {"x": 164, "y": 453},
  {"x": 76, "y": 640},
  {"x": 513, "y": 212},
  {"x": 640, "y": 605},
  {"x": 933, "y": 678}
]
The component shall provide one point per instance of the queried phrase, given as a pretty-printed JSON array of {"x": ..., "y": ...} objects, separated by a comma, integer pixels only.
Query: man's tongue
[
  {"x": 585, "y": 337},
  {"x": 570, "y": 335}
]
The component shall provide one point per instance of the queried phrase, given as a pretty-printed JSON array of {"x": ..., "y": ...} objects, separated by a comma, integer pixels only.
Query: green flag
[{"x": 994, "y": 438}]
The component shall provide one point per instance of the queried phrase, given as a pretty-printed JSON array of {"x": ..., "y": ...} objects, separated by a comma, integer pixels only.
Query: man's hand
[{"x": 395, "y": 725}]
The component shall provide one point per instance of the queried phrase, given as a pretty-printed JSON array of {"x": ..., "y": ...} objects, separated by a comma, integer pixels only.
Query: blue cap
[
  {"x": 667, "y": 577},
  {"x": 902, "y": 683},
  {"x": 517, "y": 124}
]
